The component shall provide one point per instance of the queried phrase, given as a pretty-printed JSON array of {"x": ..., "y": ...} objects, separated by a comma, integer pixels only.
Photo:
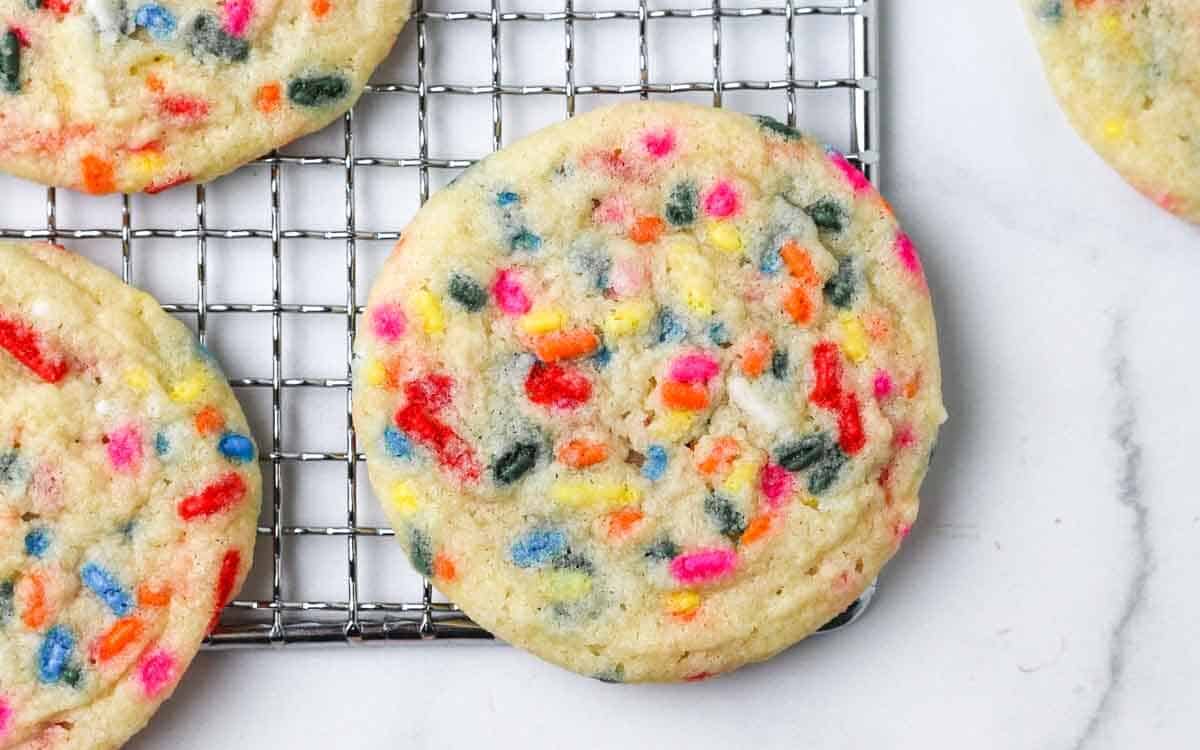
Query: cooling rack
[{"x": 300, "y": 231}]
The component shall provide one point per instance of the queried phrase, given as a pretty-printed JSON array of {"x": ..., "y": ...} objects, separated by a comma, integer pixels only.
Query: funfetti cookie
[
  {"x": 129, "y": 493},
  {"x": 116, "y": 95},
  {"x": 651, "y": 392},
  {"x": 1127, "y": 75}
]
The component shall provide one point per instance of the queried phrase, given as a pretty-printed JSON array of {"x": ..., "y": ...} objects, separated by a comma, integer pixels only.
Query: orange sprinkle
[
  {"x": 267, "y": 99},
  {"x": 878, "y": 327},
  {"x": 647, "y": 229},
  {"x": 209, "y": 421},
  {"x": 580, "y": 454},
  {"x": 912, "y": 386},
  {"x": 35, "y": 613},
  {"x": 757, "y": 529},
  {"x": 113, "y": 641},
  {"x": 799, "y": 305},
  {"x": 320, "y": 8},
  {"x": 444, "y": 568},
  {"x": 725, "y": 449},
  {"x": 685, "y": 396},
  {"x": 799, "y": 263},
  {"x": 98, "y": 175},
  {"x": 566, "y": 344},
  {"x": 620, "y": 522},
  {"x": 154, "y": 83},
  {"x": 148, "y": 597},
  {"x": 755, "y": 354}
]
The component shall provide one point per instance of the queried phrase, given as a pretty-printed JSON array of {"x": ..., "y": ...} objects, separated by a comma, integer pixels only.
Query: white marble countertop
[{"x": 1046, "y": 597}]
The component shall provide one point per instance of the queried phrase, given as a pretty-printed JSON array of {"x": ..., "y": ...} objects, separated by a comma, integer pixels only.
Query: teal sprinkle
[{"x": 162, "y": 444}]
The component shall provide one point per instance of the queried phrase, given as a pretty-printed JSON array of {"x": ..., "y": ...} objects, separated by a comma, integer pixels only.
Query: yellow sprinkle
[
  {"x": 674, "y": 424},
  {"x": 147, "y": 165},
  {"x": 699, "y": 298},
  {"x": 1116, "y": 128},
  {"x": 586, "y": 494},
  {"x": 137, "y": 378},
  {"x": 854, "y": 337},
  {"x": 374, "y": 372},
  {"x": 403, "y": 497},
  {"x": 565, "y": 585},
  {"x": 738, "y": 479},
  {"x": 682, "y": 602},
  {"x": 191, "y": 387},
  {"x": 691, "y": 274},
  {"x": 1111, "y": 23},
  {"x": 430, "y": 310},
  {"x": 810, "y": 501},
  {"x": 724, "y": 236},
  {"x": 628, "y": 318},
  {"x": 543, "y": 321}
]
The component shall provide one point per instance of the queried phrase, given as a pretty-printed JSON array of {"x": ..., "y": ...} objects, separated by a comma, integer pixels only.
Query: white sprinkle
[
  {"x": 755, "y": 406},
  {"x": 41, "y": 308},
  {"x": 110, "y": 17},
  {"x": 104, "y": 408}
]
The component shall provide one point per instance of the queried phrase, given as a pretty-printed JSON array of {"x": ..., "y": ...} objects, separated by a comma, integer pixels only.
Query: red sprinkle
[
  {"x": 26, "y": 345},
  {"x": 850, "y": 428},
  {"x": 827, "y": 367},
  {"x": 558, "y": 386},
  {"x": 158, "y": 187},
  {"x": 225, "y": 580},
  {"x": 218, "y": 497},
  {"x": 183, "y": 108},
  {"x": 418, "y": 419}
]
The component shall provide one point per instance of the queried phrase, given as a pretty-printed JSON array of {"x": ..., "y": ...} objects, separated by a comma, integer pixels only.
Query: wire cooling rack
[{"x": 324, "y": 569}]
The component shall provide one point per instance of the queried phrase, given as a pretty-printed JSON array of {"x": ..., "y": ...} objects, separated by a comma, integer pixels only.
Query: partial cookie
[
  {"x": 129, "y": 497},
  {"x": 1128, "y": 76},
  {"x": 106, "y": 96},
  {"x": 651, "y": 392}
]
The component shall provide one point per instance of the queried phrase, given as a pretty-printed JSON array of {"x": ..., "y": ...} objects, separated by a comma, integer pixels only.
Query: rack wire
[{"x": 275, "y": 618}]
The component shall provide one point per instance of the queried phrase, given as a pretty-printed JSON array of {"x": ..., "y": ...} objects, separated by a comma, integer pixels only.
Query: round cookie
[
  {"x": 1127, "y": 75},
  {"x": 129, "y": 497},
  {"x": 651, "y": 392},
  {"x": 113, "y": 96}
]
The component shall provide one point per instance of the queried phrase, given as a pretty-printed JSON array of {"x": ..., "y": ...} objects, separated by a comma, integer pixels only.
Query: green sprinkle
[
  {"x": 207, "y": 38},
  {"x": 828, "y": 214},
  {"x": 467, "y": 292},
  {"x": 515, "y": 463},
  {"x": 681, "y": 205},
  {"x": 729, "y": 520},
  {"x": 663, "y": 549},
  {"x": 825, "y": 473},
  {"x": 318, "y": 90},
  {"x": 420, "y": 551},
  {"x": 841, "y": 287},
  {"x": 10, "y": 62},
  {"x": 778, "y": 128}
]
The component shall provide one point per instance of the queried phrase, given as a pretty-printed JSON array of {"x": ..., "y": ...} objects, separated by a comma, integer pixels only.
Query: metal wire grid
[{"x": 278, "y": 621}]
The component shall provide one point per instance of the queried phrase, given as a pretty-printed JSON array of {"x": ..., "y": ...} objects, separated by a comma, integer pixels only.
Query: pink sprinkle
[
  {"x": 908, "y": 255},
  {"x": 902, "y": 531},
  {"x": 509, "y": 295},
  {"x": 722, "y": 200},
  {"x": 6, "y": 714},
  {"x": 125, "y": 449},
  {"x": 659, "y": 144},
  {"x": 388, "y": 321},
  {"x": 237, "y": 16},
  {"x": 856, "y": 178},
  {"x": 694, "y": 368},
  {"x": 904, "y": 437},
  {"x": 156, "y": 672},
  {"x": 628, "y": 276},
  {"x": 22, "y": 35},
  {"x": 614, "y": 209},
  {"x": 776, "y": 483},
  {"x": 703, "y": 566},
  {"x": 883, "y": 384}
]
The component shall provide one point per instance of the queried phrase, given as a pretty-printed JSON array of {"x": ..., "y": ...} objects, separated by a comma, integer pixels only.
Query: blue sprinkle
[
  {"x": 37, "y": 542},
  {"x": 397, "y": 443},
  {"x": 156, "y": 19},
  {"x": 53, "y": 655},
  {"x": 718, "y": 333},
  {"x": 671, "y": 330},
  {"x": 771, "y": 260},
  {"x": 656, "y": 463},
  {"x": 507, "y": 198},
  {"x": 106, "y": 586},
  {"x": 162, "y": 444},
  {"x": 538, "y": 547},
  {"x": 525, "y": 240},
  {"x": 602, "y": 356},
  {"x": 237, "y": 448}
]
